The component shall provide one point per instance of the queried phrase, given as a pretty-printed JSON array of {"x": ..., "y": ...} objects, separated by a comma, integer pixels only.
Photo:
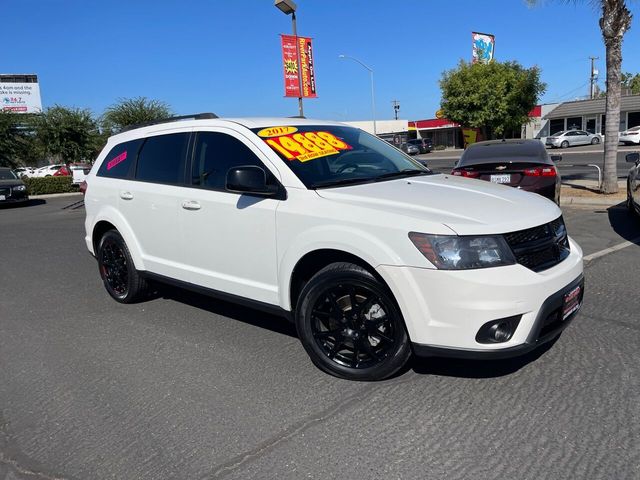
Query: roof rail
[
  {"x": 194, "y": 116},
  {"x": 298, "y": 116}
]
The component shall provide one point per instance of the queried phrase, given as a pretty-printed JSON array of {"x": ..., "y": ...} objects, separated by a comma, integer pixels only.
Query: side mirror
[
  {"x": 556, "y": 158},
  {"x": 249, "y": 179},
  {"x": 633, "y": 157}
]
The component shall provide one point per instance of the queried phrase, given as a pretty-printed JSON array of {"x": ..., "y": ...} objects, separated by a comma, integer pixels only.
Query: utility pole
[
  {"x": 396, "y": 107},
  {"x": 594, "y": 77}
]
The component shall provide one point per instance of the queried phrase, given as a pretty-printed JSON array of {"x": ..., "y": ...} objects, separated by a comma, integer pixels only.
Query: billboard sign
[
  {"x": 20, "y": 97},
  {"x": 298, "y": 62},
  {"x": 482, "y": 47}
]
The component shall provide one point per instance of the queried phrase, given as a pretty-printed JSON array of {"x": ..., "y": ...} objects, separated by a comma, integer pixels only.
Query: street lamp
[
  {"x": 373, "y": 101},
  {"x": 288, "y": 7}
]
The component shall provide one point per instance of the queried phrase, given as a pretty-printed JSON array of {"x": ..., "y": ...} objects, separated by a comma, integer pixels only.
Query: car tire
[
  {"x": 119, "y": 275},
  {"x": 564, "y": 144},
  {"x": 370, "y": 343},
  {"x": 595, "y": 141},
  {"x": 630, "y": 206}
]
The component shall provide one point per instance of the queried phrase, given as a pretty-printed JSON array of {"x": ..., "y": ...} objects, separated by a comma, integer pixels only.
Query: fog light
[{"x": 498, "y": 331}]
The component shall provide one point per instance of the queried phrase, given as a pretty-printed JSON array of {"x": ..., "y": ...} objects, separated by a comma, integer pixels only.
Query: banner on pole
[
  {"x": 290, "y": 63},
  {"x": 307, "y": 68},
  {"x": 482, "y": 47}
]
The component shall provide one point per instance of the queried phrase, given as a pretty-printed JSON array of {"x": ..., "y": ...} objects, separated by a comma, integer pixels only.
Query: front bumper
[
  {"x": 14, "y": 197},
  {"x": 445, "y": 309}
]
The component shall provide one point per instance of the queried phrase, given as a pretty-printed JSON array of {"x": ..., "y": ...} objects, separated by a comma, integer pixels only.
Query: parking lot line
[{"x": 607, "y": 251}]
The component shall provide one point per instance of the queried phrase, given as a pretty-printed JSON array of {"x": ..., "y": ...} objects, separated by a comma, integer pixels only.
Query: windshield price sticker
[
  {"x": 276, "y": 131},
  {"x": 307, "y": 146}
]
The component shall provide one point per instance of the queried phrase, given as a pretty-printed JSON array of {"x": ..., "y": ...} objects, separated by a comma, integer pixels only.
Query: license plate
[
  {"x": 571, "y": 302},
  {"x": 504, "y": 178},
  {"x": 2, "y": 197}
]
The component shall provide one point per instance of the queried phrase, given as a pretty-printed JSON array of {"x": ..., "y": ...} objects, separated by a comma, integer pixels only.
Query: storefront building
[{"x": 589, "y": 115}]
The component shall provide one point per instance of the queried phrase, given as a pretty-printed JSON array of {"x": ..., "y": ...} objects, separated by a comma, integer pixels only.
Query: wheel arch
[{"x": 112, "y": 220}]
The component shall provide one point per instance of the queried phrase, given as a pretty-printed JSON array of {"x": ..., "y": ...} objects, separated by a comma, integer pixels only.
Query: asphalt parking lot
[{"x": 182, "y": 386}]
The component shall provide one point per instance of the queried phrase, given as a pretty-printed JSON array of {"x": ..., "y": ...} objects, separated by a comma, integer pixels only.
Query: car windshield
[
  {"x": 634, "y": 129},
  {"x": 7, "y": 175},
  {"x": 328, "y": 156}
]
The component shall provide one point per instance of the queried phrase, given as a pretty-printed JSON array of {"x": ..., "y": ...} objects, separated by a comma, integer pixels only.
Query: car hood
[
  {"x": 464, "y": 205},
  {"x": 10, "y": 183}
]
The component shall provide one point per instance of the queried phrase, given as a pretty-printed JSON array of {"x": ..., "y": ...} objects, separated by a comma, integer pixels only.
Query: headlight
[
  {"x": 19, "y": 188},
  {"x": 450, "y": 252}
]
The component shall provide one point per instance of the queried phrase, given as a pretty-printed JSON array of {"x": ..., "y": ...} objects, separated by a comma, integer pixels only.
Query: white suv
[{"x": 372, "y": 255}]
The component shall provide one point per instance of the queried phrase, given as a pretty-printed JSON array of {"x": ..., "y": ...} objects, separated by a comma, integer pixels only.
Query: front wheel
[
  {"x": 595, "y": 141},
  {"x": 350, "y": 325},
  {"x": 564, "y": 144},
  {"x": 119, "y": 275}
]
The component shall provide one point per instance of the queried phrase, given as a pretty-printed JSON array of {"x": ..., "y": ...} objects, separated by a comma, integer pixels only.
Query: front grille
[
  {"x": 542, "y": 247},
  {"x": 5, "y": 191}
]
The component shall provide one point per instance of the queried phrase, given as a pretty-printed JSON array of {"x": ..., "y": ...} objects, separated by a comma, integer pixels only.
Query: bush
[
  {"x": 44, "y": 185},
  {"x": 439, "y": 147}
]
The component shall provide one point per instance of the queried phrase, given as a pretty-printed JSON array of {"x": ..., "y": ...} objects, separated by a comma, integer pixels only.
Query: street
[
  {"x": 183, "y": 386},
  {"x": 574, "y": 164}
]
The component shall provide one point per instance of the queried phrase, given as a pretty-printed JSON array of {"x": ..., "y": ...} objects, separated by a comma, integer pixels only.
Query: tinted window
[
  {"x": 161, "y": 159},
  {"x": 118, "y": 162},
  {"x": 7, "y": 175},
  {"x": 215, "y": 154},
  {"x": 481, "y": 153}
]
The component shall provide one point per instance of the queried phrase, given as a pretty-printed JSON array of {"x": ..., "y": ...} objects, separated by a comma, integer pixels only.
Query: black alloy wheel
[
  {"x": 122, "y": 281},
  {"x": 350, "y": 325}
]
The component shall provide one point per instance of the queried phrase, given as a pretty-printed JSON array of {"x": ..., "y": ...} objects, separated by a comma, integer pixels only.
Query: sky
[{"x": 223, "y": 56}]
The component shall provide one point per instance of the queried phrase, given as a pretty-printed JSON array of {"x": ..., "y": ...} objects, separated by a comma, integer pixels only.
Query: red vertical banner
[
  {"x": 307, "y": 68},
  {"x": 290, "y": 63}
]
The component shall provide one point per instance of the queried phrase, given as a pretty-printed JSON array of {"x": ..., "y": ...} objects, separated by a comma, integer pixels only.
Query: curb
[
  {"x": 597, "y": 202},
  {"x": 55, "y": 195}
]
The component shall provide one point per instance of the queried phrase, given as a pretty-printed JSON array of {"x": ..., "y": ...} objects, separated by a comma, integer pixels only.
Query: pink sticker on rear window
[{"x": 119, "y": 159}]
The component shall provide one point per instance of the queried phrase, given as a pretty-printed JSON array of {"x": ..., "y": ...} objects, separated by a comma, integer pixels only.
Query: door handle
[
  {"x": 190, "y": 205},
  {"x": 126, "y": 195}
]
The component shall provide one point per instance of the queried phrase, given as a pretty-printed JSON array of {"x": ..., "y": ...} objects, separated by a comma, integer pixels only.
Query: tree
[
  {"x": 16, "y": 142},
  {"x": 68, "y": 134},
  {"x": 494, "y": 97},
  {"x": 632, "y": 82},
  {"x": 614, "y": 23},
  {"x": 131, "y": 111}
]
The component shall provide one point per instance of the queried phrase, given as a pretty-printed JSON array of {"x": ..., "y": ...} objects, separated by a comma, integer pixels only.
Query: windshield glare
[
  {"x": 322, "y": 155},
  {"x": 7, "y": 175}
]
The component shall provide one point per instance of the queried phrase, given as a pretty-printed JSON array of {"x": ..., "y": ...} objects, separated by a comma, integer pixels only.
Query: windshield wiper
[
  {"x": 402, "y": 173},
  {"x": 344, "y": 181}
]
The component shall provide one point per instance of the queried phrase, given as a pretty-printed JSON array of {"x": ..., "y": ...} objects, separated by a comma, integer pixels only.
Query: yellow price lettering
[
  {"x": 306, "y": 143},
  {"x": 318, "y": 141},
  {"x": 279, "y": 148},
  {"x": 333, "y": 140},
  {"x": 291, "y": 145}
]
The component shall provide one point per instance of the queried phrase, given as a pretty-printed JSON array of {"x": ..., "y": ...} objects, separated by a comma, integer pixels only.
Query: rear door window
[
  {"x": 119, "y": 161},
  {"x": 162, "y": 159}
]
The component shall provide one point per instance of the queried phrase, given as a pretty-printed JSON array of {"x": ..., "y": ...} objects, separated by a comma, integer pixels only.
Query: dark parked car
[
  {"x": 12, "y": 189},
  {"x": 633, "y": 183},
  {"x": 423, "y": 144},
  {"x": 523, "y": 164}
]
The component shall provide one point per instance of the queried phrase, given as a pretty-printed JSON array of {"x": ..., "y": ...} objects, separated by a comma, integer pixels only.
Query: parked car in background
[
  {"x": 79, "y": 172},
  {"x": 24, "y": 172},
  {"x": 633, "y": 183},
  {"x": 631, "y": 136},
  {"x": 423, "y": 144},
  {"x": 410, "y": 149},
  {"x": 48, "y": 170},
  {"x": 571, "y": 138},
  {"x": 524, "y": 164},
  {"x": 12, "y": 189}
]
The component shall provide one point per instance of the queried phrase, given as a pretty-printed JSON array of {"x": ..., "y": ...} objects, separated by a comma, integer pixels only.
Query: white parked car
[
  {"x": 79, "y": 172},
  {"x": 572, "y": 138},
  {"x": 369, "y": 253},
  {"x": 24, "y": 172},
  {"x": 47, "y": 170},
  {"x": 631, "y": 136}
]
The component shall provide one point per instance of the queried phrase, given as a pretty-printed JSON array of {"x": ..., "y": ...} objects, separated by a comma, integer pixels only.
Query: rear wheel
[
  {"x": 630, "y": 206},
  {"x": 564, "y": 144},
  {"x": 119, "y": 275},
  {"x": 350, "y": 325},
  {"x": 595, "y": 141}
]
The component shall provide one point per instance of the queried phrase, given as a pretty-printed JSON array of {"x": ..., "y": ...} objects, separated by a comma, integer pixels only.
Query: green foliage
[
  {"x": 632, "y": 82},
  {"x": 15, "y": 143},
  {"x": 495, "y": 97},
  {"x": 45, "y": 185},
  {"x": 131, "y": 111},
  {"x": 67, "y": 134}
]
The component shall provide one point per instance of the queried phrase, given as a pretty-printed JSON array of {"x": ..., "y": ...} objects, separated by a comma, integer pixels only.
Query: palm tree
[{"x": 614, "y": 23}]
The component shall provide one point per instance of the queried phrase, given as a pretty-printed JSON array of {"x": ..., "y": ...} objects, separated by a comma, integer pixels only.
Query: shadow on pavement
[
  {"x": 454, "y": 367},
  {"x": 232, "y": 310},
  {"x": 624, "y": 223}
]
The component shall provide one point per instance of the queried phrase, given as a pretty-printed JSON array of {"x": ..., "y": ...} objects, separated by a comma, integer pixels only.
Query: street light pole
[
  {"x": 288, "y": 7},
  {"x": 373, "y": 98}
]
